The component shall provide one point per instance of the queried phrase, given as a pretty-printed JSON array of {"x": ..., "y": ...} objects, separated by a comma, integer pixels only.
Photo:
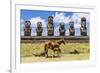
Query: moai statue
[
  {"x": 71, "y": 29},
  {"x": 50, "y": 26},
  {"x": 27, "y": 29},
  {"x": 83, "y": 28},
  {"x": 39, "y": 29},
  {"x": 62, "y": 29}
]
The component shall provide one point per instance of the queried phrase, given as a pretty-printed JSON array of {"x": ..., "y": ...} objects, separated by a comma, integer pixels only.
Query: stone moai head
[
  {"x": 62, "y": 29},
  {"x": 62, "y": 25},
  {"x": 50, "y": 26},
  {"x": 71, "y": 23},
  {"x": 83, "y": 28},
  {"x": 27, "y": 24},
  {"x": 39, "y": 29},
  {"x": 27, "y": 29},
  {"x": 71, "y": 29},
  {"x": 39, "y": 24},
  {"x": 83, "y": 22},
  {"x": 50, "y": 19}
]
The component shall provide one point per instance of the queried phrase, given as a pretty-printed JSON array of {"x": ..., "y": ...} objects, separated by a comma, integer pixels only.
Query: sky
[{"x": 35, "y": 16}]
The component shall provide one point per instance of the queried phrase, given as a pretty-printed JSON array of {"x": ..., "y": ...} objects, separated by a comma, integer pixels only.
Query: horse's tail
[{"x": 46, "y": 49}]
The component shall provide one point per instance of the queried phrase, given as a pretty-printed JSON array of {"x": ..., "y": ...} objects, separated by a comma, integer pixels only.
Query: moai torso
[
  {"x": 71, "y": 29},
  {"x": 50, "y": 26},
  {"x": 62, "y": 29},
  {"x": 39, "y": 29},
  {"x": 27, "y": 29},
  {"x": 83, "y": 28}
]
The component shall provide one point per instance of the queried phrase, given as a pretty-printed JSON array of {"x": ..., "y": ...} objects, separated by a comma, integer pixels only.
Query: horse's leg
[
  {"x": 46, "y": 50},
  {"x": 53, "y": 53},
  {"x": 59, "y": 52},
  {"x": 47, "y": 53}
]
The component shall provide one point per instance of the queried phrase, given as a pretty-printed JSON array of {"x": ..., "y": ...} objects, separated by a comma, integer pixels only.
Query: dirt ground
[{"x": 64, "y": 57}]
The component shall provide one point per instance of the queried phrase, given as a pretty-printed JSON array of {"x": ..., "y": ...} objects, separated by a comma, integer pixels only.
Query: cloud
[
  {"x": 37, "y": 19},
  {"x": 67, "y": 32},
  {"x": 77, "y": 25},
  {"x": 22, "y": 26},
  {"x": 22, "y": 21},
  {"x": 86, "y": 15},
  {"x": 76, "y": 17},
  {"x": 33, "y": 33},
  {"x": 56, "y": 31},
  {"x": 44, "y": 31},
  {"x": 34, "y": 25},
  {"x": 22, "y": 33},
  {"x": 60, "y": 17}
]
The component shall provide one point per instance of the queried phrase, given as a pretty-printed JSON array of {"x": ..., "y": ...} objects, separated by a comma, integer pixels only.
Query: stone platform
[{"x": 68, "y": 39}]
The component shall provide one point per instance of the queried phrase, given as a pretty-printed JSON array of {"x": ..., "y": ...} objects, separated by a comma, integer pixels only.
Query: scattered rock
[
  {"x": 74, "y": 52},
  {"x": 42, "y": 54}
]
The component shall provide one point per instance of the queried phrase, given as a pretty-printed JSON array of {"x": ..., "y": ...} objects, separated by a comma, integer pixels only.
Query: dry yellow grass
[
  {"x": 28, "y": 48},
  {"x": 64, "y": 57}
]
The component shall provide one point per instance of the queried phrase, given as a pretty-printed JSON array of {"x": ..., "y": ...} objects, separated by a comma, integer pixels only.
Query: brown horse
[{"x": 53, "y": 45}]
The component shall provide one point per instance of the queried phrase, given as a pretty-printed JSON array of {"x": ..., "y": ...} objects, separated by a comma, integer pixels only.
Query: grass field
[{"x": 28, "y": 48}]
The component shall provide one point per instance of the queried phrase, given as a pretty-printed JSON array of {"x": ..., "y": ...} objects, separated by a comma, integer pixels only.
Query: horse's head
[{"x": 62, "y": 41}]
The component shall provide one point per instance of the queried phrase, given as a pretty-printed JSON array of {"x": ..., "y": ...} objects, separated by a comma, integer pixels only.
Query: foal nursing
[{"x": 54, "y": 46}]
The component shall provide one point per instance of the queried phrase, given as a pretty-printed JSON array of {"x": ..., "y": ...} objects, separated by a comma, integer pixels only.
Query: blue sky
[{"x": 35, "y": 15}]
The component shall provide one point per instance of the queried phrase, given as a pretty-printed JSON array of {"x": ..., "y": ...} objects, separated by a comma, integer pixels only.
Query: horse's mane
[{"x": 60, "y": 41}]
